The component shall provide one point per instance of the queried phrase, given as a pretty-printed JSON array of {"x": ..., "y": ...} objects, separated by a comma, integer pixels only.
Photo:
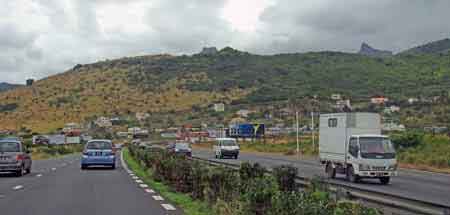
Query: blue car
[{"x": 98, "y": 153}]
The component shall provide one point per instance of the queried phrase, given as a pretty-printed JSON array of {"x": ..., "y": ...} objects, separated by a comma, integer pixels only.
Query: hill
[
  {"x": 435, "y": 47},
  {"x": 372, "y": 52},
  {"x": 7, "y": 86},
  {"x": 174, "y": 84}
]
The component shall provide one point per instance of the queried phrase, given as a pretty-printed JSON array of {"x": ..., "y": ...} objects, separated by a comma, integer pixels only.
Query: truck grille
[{"x": 378, "y": 168}]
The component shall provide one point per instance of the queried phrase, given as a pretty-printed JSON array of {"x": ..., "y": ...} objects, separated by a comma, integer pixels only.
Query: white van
[{"x": 226, "y": 147}]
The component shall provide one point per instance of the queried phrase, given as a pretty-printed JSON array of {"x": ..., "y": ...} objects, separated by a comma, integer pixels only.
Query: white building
[
  {"x": 219, "y": 107},
  {"x": 341, "y": 104},
  {"x": 142, "y": 116},
  {"x": 336, "y": 96},
  {"x": 412, "y": 100},
  {"x": 243, "y": 113},
  {"x": 379, "y": 100},
  {"x": 103, "y": 122},
  {"x": 392, "y": 109},
  {"x": 390, "y": 126}
]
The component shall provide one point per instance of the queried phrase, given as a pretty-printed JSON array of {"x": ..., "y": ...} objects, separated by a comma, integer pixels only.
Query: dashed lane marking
[
  {"x": 158, "y": 198},
  {"x": 149, "y": 191},
  {"x": 39, "y": 175},
  {"x": 2, "y": 196},
  {"x": 168, "y": 207},
  {"x": 143, "y": 185},
  {"x": 53, "y": 169},
  {"x": 18, "y": 187}
]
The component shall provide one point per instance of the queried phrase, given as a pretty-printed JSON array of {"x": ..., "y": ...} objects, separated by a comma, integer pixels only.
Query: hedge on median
[{"x": 250, "y": 190}]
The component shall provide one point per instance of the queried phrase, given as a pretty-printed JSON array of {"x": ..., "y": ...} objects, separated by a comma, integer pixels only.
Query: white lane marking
[
  {"x": 18, "y": 187},
  {"x": 143, "y": 185},
  {"x": 53, "y": 169},
  {"x": 158, "y": 198},
  {"x": 135, "y": 177},
  {"x": 168, "y": 207},
  {"x": 39, "y": 175},
  {"x": 139, "y": 181},
  {"x": 149, "y": 191}
]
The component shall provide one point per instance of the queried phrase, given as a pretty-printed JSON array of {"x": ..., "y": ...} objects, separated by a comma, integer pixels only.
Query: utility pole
[
  {"x": 312, "y": 128},
  {"x": 298, "y": 146}
]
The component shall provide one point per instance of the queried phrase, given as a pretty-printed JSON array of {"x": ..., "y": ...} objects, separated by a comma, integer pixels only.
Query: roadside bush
[
  {"x": 285, "y": 176},
  {"x": 248, "y": 191},
  {"x": 407, "y": 140}
]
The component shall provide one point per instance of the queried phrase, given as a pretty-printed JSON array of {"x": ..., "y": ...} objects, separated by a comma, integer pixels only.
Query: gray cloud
[{"x": 45, "y": 37}]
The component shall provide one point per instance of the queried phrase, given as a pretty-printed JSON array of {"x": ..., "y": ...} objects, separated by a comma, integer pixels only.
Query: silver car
[{"x": 14, "y": 157}]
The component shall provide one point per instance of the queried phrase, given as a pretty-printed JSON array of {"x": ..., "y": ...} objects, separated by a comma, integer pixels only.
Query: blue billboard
[{"x": 247, "y": 130}]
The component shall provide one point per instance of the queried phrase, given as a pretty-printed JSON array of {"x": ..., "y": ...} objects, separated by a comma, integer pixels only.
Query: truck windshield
[
  {"x": 9, "y": 147},
  {"x": 228, "y": 143},
  {"x": 376, "y": 147}
]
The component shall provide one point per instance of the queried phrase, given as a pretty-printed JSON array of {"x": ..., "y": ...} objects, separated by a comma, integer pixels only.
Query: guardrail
[{"x": 388, "y": 203}]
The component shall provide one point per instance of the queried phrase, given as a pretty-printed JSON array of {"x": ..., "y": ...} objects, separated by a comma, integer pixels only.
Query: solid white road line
[
  {"x": 143, "y": 185},
  {"x": 168, "y": 207},
  {"x": 149, "y": 191},
  {"x": 18, "y": 187},
  {"x": 158, "y": 198}
]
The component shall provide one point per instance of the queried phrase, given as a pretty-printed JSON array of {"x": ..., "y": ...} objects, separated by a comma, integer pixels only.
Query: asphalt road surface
[
  {"x": 426, "y": 186},
  {"x": 59, "y": 186}
]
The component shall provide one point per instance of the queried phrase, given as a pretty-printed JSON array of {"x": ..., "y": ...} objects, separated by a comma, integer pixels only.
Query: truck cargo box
[{"x": 336, "y": 129}]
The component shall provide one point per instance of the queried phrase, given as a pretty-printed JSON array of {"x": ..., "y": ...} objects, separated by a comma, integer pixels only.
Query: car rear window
[
  {"x": 99, "y": 145},
  {"x": 9, "y": 147}
]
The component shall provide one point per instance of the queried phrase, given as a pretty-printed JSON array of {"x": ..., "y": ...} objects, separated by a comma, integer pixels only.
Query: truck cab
[
  {"x": 352, "y": 144},
  {"x": 371, "y": 156}
]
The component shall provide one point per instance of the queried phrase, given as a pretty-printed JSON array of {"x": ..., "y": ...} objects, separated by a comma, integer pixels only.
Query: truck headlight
[
  {"x": 392, "y": 167},
  {"x": 364, "y": 167}
]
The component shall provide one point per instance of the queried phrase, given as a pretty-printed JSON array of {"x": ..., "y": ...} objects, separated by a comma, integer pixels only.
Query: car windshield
[
  {"x": 182, "y": 146},
  {"x": 376, "y": 147},
  {"x": 99, "y": 145},
  {"x": 228, "y": 143},
  {"x": 9, "y": 147}
]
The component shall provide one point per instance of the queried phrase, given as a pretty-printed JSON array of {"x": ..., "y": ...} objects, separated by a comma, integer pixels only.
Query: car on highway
[
  {"x": 226, "y": 147},
  {"x": 98, "y": 153},
  {"x": 180, "y": 148},
  {"x": 14, "y": 157}
]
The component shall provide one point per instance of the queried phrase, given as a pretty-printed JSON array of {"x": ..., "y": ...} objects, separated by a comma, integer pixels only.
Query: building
[
  {"x": 379, "y": 100},
  {"x": 103, "y": 122},
  {"x": 391, "y": 109},
  {"x": 243, "y": 113},
  {"x": 69, "y": 127},
  {"x": 391, "y": 126},
  {"x": 413, "y": 100},
  {"x": 219, "y": 107},
  {"x": 343, "y": 104},
  {"x": 140, "y": 116},
  {"x": 336, "y": 96}
]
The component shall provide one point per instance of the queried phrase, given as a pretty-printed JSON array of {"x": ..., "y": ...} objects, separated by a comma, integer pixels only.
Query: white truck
[{"x": 352, "y": 144}]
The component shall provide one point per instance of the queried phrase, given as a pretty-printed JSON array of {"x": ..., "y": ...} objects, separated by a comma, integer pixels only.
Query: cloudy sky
[{"x": 43, "y": 37}]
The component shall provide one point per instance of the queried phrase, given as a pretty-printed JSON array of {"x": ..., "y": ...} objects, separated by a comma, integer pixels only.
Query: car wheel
[
  {"x": 385, "y": 180},
  {"x": 19, "y": 172},
  {"x": 83, "y": 167},
  {"x": 330, "y": 171},
  {"x": 113, "y": 166},
  {"x": 351, "y": 175}
]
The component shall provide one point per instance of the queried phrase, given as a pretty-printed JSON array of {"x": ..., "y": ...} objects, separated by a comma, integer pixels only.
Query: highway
[
  {"x": 59, "y": 186},
  {"x": 420, "y": 185}
]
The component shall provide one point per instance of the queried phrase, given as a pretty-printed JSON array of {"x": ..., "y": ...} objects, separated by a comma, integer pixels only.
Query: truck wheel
[
  {"x": 385, "y": 180},
  {"x": 19, "y": 172},
  {"x": 330, "y": 171},
  {"x": 28, "y": 171},
  {"x": 351, "y": 175}
]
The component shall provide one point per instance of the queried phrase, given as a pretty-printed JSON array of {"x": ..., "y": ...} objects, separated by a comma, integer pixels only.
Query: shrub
[{"x": 285, "y": 176}]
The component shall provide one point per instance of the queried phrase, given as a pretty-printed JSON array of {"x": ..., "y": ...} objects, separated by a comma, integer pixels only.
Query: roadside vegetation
[
  {"x": 249, "y": 190},
  {"x": 52, "y": 151},
  {"x": 423, "y": 151}
]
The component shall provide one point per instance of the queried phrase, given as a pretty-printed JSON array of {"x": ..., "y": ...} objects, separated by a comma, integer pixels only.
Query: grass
[{"x": 189, "y": 206}]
